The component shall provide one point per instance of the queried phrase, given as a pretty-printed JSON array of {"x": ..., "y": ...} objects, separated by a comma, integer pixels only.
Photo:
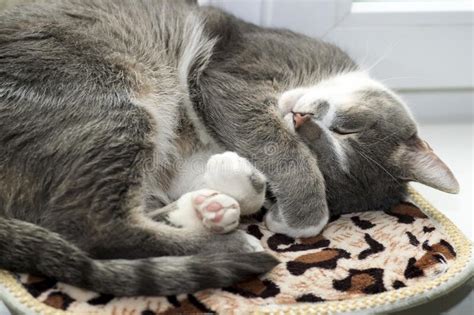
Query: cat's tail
[{"x": 25, "y": 247}]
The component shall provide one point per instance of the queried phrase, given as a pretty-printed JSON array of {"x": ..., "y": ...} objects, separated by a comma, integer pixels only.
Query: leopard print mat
[{"x": 356, "y": 254}]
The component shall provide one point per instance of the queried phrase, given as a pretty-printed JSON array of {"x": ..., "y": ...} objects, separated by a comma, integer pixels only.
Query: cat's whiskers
[
  {"x": 383, "y": 57},
  {"x": 366, "y": 55},
  {"x": 383, "y": 139},
  {"x": 369, "y": 159},
  {"x": 400, "y": 77}
]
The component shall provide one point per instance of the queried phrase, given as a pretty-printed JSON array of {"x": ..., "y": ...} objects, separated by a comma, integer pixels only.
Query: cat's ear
[{"x": 419, "y": 163}]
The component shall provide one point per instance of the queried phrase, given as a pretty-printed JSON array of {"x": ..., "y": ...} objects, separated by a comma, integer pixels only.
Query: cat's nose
[{"x": 299, "y": 119}]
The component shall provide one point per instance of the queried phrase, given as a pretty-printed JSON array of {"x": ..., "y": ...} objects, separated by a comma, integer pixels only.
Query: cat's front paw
[
  {"x": 302, "y": 105},
  {"x": 218, "y": 212},
  {"x": 237, "y": 177}
]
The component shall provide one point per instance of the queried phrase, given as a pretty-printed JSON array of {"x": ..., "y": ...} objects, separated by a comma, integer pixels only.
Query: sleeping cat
[{"x": 134, "y": 134}]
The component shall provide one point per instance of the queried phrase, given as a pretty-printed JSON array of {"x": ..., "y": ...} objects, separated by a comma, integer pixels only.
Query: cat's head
[{"x": 365, "y": 139}]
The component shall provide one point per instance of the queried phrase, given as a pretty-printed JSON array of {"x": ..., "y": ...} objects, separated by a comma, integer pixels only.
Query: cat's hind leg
[{"x": 203, "y": 209}]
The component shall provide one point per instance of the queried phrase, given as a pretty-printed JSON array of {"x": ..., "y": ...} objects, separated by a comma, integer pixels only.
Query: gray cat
[{"x": 134, "y": 134}]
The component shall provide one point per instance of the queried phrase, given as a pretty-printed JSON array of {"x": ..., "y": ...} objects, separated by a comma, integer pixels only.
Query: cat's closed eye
[
  {"x": 344, "y": 132},
  {"x": 352, "y": 122},
  {"x": 349, "y": 127}
]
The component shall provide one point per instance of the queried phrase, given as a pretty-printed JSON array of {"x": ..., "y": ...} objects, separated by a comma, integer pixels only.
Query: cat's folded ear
[{"x": 419, "y": 163}]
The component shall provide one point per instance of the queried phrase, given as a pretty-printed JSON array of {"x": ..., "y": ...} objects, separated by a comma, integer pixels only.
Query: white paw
[
  {"x": 234, "y": 175},
  {"x": 218, "y": 212},
  {"x": 227, "y": 166},
  {"x": 254, "y": 244},
  {"x": 287, "y": 100}
]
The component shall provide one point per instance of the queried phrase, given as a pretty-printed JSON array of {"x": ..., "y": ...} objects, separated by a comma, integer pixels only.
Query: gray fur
[
  {"x": 50, "y": 254},
  {"x": 78, "y": 155},
  {"x": 257, "y": 184},
  {"x": 100, "y": 99},
  {"x": 251, "y": 68}
]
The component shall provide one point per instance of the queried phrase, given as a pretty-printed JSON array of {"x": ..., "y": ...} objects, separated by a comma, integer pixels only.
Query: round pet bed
[{"x": 368, "y": 262}]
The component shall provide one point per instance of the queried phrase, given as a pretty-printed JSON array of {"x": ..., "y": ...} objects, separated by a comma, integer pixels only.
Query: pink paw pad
[
  {"x": 214, "y": 207},
  {"x": 201, "y": 198},
  {"x": 218, "y": 212}
]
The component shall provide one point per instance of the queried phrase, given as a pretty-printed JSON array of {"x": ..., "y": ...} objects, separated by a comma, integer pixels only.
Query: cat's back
[
  {"x": 86, "y": 62},
  {"x": 81, "y": 76},
  {"x": 89, "y": 43}
]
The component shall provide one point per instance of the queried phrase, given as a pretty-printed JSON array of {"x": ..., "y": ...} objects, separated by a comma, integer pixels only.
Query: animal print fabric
[{"x": 356, "y": 254}]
